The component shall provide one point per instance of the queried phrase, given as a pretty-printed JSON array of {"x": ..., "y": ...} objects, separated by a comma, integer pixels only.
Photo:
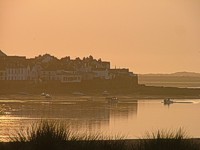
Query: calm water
[{"x": 129, "y": 117}]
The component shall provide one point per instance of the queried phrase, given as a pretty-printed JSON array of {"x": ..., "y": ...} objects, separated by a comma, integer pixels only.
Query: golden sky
[{"x": 147, "y": 36}]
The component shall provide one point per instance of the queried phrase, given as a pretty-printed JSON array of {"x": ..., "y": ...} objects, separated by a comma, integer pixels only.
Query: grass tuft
[
  {"x": 167, "y": 140},
  {"x": 53, "y": 135}
]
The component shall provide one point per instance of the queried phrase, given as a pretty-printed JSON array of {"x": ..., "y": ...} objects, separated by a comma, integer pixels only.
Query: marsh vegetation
[{"x": 53, "y": 135}]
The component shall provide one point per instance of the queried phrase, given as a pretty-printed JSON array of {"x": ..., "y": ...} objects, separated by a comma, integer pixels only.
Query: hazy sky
[{"x": 158, "y": 36}]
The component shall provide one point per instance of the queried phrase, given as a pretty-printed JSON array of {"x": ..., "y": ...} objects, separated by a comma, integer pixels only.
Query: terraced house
[{"x": 47, "y": 68}]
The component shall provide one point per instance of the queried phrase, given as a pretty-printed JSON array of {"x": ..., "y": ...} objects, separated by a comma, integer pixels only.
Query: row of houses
[{"x": 65, "y": 70}]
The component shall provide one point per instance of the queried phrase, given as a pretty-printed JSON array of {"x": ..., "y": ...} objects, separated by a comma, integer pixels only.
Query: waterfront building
[
  {"x": 47, "y": 68},
  {"x": 2, "y": 74},
  {"x": 101, "y": 73},
  {"x": 14, "y": 68},
  {"x": 70, "y": 77}
]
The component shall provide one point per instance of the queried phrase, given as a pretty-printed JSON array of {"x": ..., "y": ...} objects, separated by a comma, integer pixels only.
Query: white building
[
  {"x": 47, "y": 75},
  {"x": 17, "y": 73},
  {"x": 70, "y": 77}
]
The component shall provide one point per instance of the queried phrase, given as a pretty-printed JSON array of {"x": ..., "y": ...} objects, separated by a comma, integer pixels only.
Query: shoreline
[
  {"x": 122, "y": 97},
  {"x": 62, "y": 92}
]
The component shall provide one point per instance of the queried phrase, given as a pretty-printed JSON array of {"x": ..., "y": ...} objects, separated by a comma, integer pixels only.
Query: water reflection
[
  {"x": 86, "y": 115},
  {"x": 128, "y": 117}
]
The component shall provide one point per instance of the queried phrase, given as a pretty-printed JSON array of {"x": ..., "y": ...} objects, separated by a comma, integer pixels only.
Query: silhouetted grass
[
  {"x": 57, "y": 136},
  {"x": 166, "y": 140},
  {"x": 44, "y": 135}
]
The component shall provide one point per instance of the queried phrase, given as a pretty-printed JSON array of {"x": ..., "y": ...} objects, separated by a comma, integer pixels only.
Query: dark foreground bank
[{"x": 136, "y": 144}]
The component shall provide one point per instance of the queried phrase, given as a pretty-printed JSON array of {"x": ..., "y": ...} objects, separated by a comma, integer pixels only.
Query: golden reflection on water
[{"x": 129, "y": 117}]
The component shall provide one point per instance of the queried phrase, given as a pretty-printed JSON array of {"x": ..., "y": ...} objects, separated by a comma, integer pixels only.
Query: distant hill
[
  {"x": 178, "y": 79},
  {"x": 185, "y": 74}
]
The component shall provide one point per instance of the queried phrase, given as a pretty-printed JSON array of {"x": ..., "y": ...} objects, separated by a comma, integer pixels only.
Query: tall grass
[
  {"x": 53, "y": 135},
  {"x": 167, "y": 140},
  {"x": 57, "y": 136},
  {"x": 44, "y": 135}
]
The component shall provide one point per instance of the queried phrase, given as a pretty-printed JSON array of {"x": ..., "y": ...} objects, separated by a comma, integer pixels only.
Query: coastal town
[{"x": 47, "y": 68}]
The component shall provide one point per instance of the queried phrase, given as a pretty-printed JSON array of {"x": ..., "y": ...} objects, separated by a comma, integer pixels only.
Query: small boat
[
  {"x": 43, "y": 94},
  {"x": 167, "y": 101},
  {"x": 48, "y": 96},
  {"x": 112, "y": 99}
]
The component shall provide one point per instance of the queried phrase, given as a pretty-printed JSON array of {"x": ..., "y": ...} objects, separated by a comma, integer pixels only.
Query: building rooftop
[{"x": 2, "y": 54}]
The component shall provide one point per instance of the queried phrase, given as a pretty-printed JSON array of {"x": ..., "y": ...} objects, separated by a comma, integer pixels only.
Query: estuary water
[{"x": 129, "y": 117}]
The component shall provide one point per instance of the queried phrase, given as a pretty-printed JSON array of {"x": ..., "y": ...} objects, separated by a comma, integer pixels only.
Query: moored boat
[
  {"x": 48, "y": 96},
  {"x": 167, "y": 101}
]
